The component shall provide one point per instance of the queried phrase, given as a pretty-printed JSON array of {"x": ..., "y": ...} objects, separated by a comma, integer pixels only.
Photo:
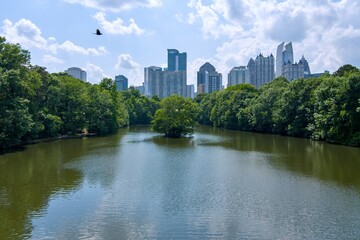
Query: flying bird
[{"x": 98, "y": 32}]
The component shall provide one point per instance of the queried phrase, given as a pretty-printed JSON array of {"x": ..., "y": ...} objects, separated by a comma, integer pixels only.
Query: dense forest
[{"x": 35, "y": 104}]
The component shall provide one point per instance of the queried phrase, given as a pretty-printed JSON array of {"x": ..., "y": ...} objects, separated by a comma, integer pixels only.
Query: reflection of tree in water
[
  {"x": 28, "y": 179},
  {"x": 324, "y": 161}
]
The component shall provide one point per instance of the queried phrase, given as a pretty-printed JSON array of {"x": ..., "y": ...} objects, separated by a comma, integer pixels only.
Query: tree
[
  {"x": 176, "y": 117},
  {"x": 15, "y": 119}
]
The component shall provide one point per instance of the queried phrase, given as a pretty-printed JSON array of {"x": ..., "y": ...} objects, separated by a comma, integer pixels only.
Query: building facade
[
  {"x": 169, "y": 81},
  {"x": 292, "y": 71},
  {"x": 76, "y": 72},
  {"x": 190, "y": 91},
  {"x": 121, "y": 83},
  {"x": 238, "y": 75},
  {"x": 284, "y": 55},
  {"x": 261, "y": 70},
  {"x": 176, "y": 60},
  {"x": 297, "y": 70},
  {"x": 208, "y": 79}
]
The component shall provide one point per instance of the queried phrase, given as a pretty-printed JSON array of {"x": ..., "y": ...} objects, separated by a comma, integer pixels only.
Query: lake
[{"x": 218, "y": 184}]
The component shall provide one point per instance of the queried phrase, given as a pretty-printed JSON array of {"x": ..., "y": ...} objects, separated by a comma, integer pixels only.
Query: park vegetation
[
  {"x": 35, "y": 104},
  {"x": 325, "y": 108}
]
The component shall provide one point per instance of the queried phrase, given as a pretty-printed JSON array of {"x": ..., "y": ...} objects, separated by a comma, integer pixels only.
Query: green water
[{"x": 216, "y": 185}]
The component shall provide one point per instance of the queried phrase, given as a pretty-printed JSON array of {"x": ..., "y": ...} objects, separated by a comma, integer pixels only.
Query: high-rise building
[
  {"x": 154, "y": 81},
  {"x": 208, "y": 79},
  {"x": 238, "y": 75},
  {"x": 261, "y": 70},
  {"x": 170, "y": 81},
  {"x": 292, "y": 71},
  {"x": 296, "y": 70},
  {"x": 284, "y": 55},
  {"x": 121, "y": 82},
  {"x": 190, "y": 91},
  {"x": 251, "y": 67},
  {"x": 76, "y": 72},
  {"x": 174, "y": 83},
  {"x": 306, "y": 65},
  {"x": 176, "y": 60}
]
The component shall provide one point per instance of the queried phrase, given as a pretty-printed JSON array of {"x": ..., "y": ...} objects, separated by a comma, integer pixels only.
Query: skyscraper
[
  {"x": 176, "y": 60},
  {"x": 284, "y": 55},
  {"x": 153, "y": 81},
  {"x": 306, "y": 65},
  {"x": 167, "y": 82},
  {"x": 261, "y": 70},
  {"x": 251, "y": 67},
  {"x": 121, "y": 83},
  {"x": 238, "y": 75},
  {"x": 76, "y": 72},
  {"x": 208, "y": 79}
]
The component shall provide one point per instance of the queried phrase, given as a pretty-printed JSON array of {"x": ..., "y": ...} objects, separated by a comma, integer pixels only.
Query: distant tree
[
  {"x": 141, "y": 109},
  {"x": 346, "y": 70},
  {"x": 176, "y": 117}
]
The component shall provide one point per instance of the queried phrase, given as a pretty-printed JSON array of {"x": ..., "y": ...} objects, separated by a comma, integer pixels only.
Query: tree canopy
[{"x": 176, "y": 117}]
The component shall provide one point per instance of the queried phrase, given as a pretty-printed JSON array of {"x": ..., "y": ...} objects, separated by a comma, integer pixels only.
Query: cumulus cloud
[
  {"x": 129, "y": 68},
  {"x": 211, "y": 19},
  {"x": 325, "y": 31},
  {"x": 24, "y": 32},
  {"x": 29, "y": 35},
  {"x": 125, "y": 61},
  {"x": 95, "y": 73},
  {"x": 116, "y": 5},
  {"x": 117, "y": 26}
]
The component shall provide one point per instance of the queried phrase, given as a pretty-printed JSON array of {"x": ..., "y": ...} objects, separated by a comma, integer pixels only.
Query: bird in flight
[{"x": 98, "y": 32}]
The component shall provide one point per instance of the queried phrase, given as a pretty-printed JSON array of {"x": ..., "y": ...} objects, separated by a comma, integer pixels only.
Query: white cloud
[
  {"x": 129, "y": 68},
  {"x": 72, "y": 48},
  {"x": 49, "y": 59},
  {"x": 28, "y": 35},
  {"x": 24, "y": 32},
  {"x": 326, "y": 32},
  {"x": 125, "y": 61},
  {"x": 117, "y": 26},
  {"x": 95, "y": 73},
  {"x": 116, "y": 5}
]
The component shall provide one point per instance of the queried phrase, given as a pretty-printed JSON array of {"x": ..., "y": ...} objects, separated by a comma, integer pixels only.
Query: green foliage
[
  {"x": 140, "y": 108},
  {"x": 176, "y": 117},
  {"x": 325, "y": 108},
  {"x": 35, "y": 104},
  {"x": 229, "y": 103},
  {"x": 346, "y": 70}
]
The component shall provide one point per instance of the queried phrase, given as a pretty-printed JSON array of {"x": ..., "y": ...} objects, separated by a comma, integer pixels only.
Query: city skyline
[{"x": 59, "y": 33}]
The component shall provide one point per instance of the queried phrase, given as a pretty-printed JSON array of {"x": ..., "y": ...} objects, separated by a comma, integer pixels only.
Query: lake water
[{"x": 218, "y": 184}]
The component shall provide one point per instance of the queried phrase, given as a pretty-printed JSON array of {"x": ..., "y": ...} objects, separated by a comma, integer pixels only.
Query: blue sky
[{"x": 137, "y": 33}]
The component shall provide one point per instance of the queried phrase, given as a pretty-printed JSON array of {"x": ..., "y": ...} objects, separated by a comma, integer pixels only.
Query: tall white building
[
  {"x": 261, "y": 70},
  {"x": 76, "y": 72},
  {"x": 284, "y": 55},
  {"x": 238, "y": 75}
]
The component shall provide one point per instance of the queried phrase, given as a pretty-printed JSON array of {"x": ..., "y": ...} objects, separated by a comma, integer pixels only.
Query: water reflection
[
  {"x": 217, "y": 184},
  {"x": 30, "y": 178},
  {"x": 328, "y": 162}
]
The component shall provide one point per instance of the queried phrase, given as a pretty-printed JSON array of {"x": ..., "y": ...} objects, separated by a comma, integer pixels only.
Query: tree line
[
  {"x": 325, "y": 108},
  {"x": 35, "y": 104}
]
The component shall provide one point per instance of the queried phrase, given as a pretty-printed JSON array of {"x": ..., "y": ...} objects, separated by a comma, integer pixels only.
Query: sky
[{"x": 137, "y": 33}]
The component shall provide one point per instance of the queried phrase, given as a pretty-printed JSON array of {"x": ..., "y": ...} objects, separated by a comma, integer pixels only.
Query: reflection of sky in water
[{"x": 146, "y": 186}]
